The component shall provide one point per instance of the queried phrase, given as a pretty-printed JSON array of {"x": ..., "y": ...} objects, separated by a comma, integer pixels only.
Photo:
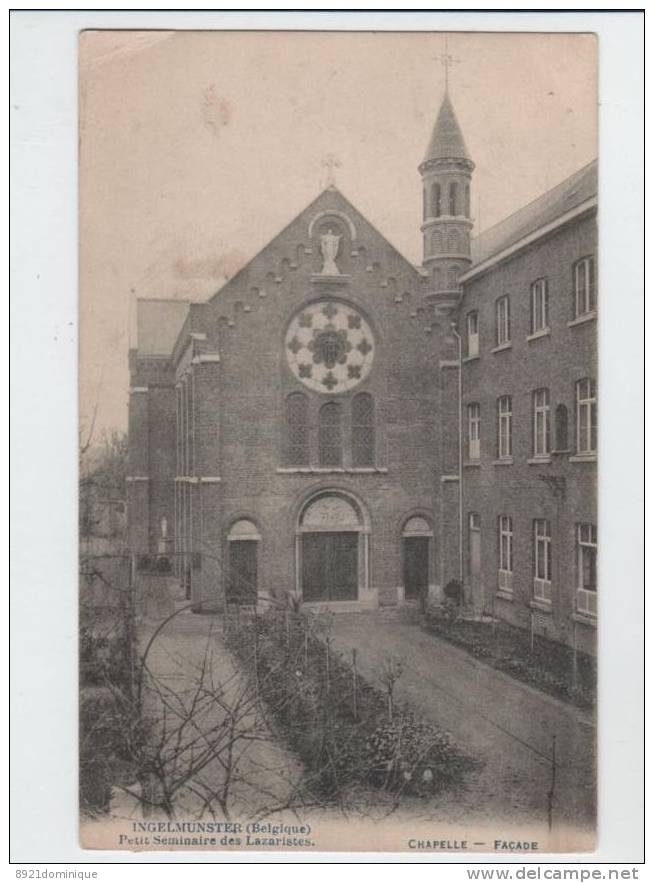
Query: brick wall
[{"x": 522, "y": 489}]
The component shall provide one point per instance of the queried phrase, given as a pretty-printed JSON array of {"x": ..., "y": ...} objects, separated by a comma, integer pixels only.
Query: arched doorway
[
  {"x": 243, "y": 557},
  {"x": 417, "y": 537},
  {"x": 332, "y": 549}
]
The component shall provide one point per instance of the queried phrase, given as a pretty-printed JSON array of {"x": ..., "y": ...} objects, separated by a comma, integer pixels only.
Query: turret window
[
  {"x": 452, "y": 278},
  {"x": 436, "y": 200},
  {"x": 453, "y": 198},
  {"x": 466, "y": 193}
]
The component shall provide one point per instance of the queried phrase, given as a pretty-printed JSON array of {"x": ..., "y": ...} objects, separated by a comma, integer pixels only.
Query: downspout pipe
[{"x": 460, "y": 435}]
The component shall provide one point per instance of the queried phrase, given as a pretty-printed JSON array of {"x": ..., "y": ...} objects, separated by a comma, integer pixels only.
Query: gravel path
[{"x": 505, "y": 724}]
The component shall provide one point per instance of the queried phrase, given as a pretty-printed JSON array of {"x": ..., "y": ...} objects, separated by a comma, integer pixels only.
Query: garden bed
[
  {"x": 548, "y": 666},
  {"x": 347, "y": 733}
]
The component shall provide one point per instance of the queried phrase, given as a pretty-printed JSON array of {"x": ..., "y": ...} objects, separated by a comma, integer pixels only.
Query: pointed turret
[
  {"x": 446, "y": 172},
  {"x": 446, "y": 138}
]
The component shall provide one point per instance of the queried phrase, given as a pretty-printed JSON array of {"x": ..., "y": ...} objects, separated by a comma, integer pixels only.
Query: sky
[{"x": 196, "y": 148}]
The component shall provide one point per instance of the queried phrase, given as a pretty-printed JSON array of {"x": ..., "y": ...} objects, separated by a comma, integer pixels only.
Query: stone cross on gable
[{"x": 331, "y": 162}]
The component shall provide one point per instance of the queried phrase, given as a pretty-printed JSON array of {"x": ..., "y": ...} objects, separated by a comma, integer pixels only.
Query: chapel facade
[{"x": 338, "y": 423}]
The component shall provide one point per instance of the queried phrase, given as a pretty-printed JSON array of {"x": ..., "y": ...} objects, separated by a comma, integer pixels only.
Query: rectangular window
[
  {"x": 539, "y": 306},
  {"x": 505, "y": 553},
  {"x": 542, "y": 561},
  {"x": 541, "y": 422},
  {"x": 474, "y": 429},
  {"x": 502, "y": 321},
  {"x": 586, "y": 417},
  {"x": 504, "y": 428},
  {"x": 472, "y": 328},
  {"x": 584, "y": 287},
  {"x": 587, "y": 569}
]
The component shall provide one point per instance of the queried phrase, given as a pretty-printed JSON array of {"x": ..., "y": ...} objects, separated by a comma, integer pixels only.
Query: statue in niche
[{"x": 329, "y": 243}]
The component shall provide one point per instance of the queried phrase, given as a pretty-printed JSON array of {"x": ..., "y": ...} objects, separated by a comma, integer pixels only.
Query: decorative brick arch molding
[
  {"x": 335, "y": 213},
  {"x": 332, "y": 551}
]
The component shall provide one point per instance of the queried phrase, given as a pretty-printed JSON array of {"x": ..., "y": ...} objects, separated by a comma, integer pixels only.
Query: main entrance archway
[{"x": 332, "y": 549}]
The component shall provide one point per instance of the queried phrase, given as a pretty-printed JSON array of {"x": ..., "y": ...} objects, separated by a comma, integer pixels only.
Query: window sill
[
  {"x": 503, "y": 461},
  {"x": 581, "y": 320},
  {"x": 470, "y": 358},
  {"x": 543, "y": 332},
  {"x": 468, "y": 463},
  {"x": 538, "y": 461},
  {"x": 501, "y": 347},
  {"x": 332, "y": 470},
  {"x": 504, "y": 595},
  {"x": 543, "y": 606},
  {"x": 584, "y": 619},
  {"x": 583, "y": 458}
]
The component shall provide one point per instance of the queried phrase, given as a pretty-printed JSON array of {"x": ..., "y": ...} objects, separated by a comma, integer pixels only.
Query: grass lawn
[{"x": 507, "y": 648}]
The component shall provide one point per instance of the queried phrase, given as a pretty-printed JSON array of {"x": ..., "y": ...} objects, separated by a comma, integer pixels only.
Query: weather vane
[
  {"x": 447, "y": 61},
  {"x": 331, "y": 162}
]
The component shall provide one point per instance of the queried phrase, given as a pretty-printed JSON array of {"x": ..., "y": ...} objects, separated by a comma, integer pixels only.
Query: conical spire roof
[{"x": 446, "y": 139}]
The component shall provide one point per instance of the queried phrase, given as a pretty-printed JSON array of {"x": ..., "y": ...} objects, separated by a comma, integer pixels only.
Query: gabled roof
[
  {"x": 570, "y": 194},
  {"x": 446, "y": 138},
  {"x": 330, "y": 199}
]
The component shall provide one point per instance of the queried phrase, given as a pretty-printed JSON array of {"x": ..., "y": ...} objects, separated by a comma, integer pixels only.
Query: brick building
[{"x": 342, "y": 424}]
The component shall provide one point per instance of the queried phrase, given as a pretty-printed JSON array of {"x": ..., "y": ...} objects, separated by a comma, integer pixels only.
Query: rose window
[{"x": 329, "y": 346}]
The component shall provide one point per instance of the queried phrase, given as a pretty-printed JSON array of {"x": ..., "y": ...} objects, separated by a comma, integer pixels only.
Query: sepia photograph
[{"x": 338, "y": 441}]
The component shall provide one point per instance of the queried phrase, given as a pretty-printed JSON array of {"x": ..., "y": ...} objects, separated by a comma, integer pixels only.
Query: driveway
[{"x": 507, "y": 725}]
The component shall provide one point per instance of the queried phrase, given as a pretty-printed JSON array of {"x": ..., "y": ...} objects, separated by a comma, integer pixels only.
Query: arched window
[
  {"x": 363, "y": 430},
  {"x": 297, "y": 429},
  {"x": 466, "y": 197},
  {"x": 436, "y": 200},
  {"x": 452, "y": 278},
  {"x": 437, "y": 278},
  {"x": 453, "y": 197},
  {"x": 561, "y": 428},
  {"x": 330, "y": 441}
]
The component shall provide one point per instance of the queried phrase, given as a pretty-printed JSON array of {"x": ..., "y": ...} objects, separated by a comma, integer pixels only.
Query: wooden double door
[{"x": 330, "y": 566}]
